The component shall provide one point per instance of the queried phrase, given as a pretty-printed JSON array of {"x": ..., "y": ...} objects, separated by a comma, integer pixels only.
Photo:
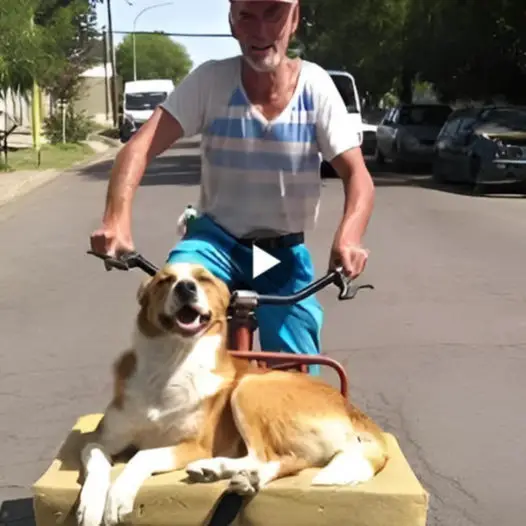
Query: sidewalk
[{"x": 18, "y": 183}]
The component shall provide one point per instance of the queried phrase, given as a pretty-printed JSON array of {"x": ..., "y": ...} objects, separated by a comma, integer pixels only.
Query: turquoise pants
[{"x": 291, "y": 328}]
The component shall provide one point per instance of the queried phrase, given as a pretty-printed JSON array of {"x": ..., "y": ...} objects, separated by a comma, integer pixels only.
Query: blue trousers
[{"x": 292, "y": 328}]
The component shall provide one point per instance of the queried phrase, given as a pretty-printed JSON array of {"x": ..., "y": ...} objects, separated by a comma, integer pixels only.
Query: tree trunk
[{"x": 406, "y": 86}]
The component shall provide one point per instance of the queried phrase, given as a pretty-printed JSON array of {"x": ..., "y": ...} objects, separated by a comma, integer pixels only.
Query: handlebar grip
[
  {"x": 120, "y": 262},
  {"x": 126, "y": 261}
]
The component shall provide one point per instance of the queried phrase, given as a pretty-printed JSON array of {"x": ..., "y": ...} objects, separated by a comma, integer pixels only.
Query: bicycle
[{"x": 242, "y": 320}]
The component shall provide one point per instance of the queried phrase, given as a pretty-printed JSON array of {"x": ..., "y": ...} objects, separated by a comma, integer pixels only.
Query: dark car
[
  {"x": 482, "y": 145},
  {"x": 407, "y": 133}
]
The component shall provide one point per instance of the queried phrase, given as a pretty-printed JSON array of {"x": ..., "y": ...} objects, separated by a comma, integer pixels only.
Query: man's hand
[
  {"x": 111, "y": 241},
  {"x": 350, "y": 256}
]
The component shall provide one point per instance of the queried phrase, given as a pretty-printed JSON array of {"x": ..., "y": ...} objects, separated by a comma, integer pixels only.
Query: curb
[
  {"x": 115, "y": 143},
  {"x": 40, "y": 178},
  {"x": 26, "y": 185}
]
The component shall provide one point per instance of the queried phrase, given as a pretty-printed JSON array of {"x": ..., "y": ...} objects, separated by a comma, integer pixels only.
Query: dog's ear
[{"x": 142, "y": 291}]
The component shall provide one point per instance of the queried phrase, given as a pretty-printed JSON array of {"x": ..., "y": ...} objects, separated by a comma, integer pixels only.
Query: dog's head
[{"x": 184, "y": 300}]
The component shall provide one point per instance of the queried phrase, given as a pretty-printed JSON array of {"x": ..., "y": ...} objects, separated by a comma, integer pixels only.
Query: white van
[
  {"x": 140, "y": 98},
  {"x": 346, "y": 86}
]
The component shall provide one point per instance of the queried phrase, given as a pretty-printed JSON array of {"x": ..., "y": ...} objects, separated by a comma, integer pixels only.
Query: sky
[{"x": 179, "y": 16}]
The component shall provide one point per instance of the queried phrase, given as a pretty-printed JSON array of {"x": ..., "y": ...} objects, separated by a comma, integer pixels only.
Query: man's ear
[
  {"x": 295, "y": 19},
  {"x": 231, "y": 24},
  {"x": 141, "y": 292}
]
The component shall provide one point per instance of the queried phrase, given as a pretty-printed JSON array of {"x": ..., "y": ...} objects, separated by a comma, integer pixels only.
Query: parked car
[
  {"x": 482, "y": 145},
  {"x": 407, "y": 133}
]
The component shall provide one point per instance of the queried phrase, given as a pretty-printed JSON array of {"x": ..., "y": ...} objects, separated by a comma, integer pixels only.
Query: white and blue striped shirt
[{"x": 259, "y": 174}]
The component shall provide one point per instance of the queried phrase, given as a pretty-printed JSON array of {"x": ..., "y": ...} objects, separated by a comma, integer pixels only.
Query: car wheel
[
  {"x": 474, "y": 169},
  {"x": 378, "y": 156},
  {"x": 437, "y": 174}
]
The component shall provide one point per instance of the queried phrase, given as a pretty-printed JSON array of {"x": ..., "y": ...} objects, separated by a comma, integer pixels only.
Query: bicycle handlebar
[{"x": 245, "y": 298}]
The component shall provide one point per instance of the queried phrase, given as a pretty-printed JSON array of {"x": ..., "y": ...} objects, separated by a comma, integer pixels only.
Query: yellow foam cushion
[{"x": 394, "y": 497}]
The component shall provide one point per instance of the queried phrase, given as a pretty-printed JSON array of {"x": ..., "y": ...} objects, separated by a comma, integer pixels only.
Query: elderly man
[{"x": 264, "y": 119}]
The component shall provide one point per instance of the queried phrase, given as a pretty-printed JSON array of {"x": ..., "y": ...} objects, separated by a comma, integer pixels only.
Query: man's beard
[{"x": 267, "y": 65}]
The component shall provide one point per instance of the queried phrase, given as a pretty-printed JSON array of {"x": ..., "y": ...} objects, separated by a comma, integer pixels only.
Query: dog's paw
[
  {"x": 205, "y": 470},
  {"x": 92, "y": 500},
  {"x": 245, "y": 482},
  {"x": 119, "y": 504}
]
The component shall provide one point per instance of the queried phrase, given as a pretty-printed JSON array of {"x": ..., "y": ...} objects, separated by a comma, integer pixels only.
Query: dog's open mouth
[{"x": 191, "y": 319}]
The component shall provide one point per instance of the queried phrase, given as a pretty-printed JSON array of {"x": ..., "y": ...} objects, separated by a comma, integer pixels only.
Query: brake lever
[
  {"x": 124, "y": 262},
  {"x": 348, "y": 289}
]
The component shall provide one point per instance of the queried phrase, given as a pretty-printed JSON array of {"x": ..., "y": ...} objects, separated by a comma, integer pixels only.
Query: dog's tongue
[{"x": 188, "y": 318}]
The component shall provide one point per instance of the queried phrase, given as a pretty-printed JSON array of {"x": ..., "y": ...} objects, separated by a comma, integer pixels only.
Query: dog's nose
[{"x": 186, "y": 290}]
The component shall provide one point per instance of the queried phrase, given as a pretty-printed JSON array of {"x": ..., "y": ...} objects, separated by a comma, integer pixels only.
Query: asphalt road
[{"x": 436, "y": 353}]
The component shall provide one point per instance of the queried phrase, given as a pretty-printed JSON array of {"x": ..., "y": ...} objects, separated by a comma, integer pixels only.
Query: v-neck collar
[{"x": 255, "y": 112}]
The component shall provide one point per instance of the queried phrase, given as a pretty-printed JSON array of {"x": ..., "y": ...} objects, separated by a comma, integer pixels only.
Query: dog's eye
[{"x": 204, "y": 278}]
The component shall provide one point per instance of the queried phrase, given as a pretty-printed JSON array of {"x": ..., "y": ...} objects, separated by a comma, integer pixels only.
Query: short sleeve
[
  {"x": 334, "y": 129},
  {"x": 187, "y": 102}
]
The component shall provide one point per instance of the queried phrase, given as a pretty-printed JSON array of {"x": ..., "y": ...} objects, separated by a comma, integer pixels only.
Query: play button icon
[{"x": 262, "y": 261}]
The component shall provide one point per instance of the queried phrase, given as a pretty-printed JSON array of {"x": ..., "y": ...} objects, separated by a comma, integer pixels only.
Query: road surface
[{"x": 436, "y": 353}]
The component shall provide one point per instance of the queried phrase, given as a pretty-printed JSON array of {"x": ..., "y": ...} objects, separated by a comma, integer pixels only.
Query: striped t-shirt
[{"x": 260, "y": 175}]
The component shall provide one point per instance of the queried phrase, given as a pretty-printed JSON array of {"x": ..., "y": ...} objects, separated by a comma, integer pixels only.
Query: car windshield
[
  {"x": 345, "y": 88},
  {"x": 144, "y": 101},
  {"x": 433, "y": 115},
  {"x": 502, "y": 120}
]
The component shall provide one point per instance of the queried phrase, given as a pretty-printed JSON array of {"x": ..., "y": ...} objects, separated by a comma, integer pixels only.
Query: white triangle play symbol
[{"x": 262, "y": 261}]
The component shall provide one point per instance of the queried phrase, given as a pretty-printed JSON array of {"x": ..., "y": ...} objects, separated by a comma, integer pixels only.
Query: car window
[
  {"x": 433, "y": 115},
  {"x": 144, "y": 101},
  {"x": 450, "y": 127},
  {"x": 387, "y": 116},
  {"x": 466, "y": 125},
  {"x": 344, "y": 86}
]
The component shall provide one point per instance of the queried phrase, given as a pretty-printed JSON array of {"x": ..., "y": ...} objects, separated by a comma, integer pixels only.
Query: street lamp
[{"x": 133, "y": 34}]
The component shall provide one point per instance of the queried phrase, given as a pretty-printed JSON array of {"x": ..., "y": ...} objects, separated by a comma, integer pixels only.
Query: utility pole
[
  {"x": 114, "y": 97},
  {"x": 106, "y": 83}
]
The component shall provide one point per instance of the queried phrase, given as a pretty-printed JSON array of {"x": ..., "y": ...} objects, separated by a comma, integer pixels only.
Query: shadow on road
[
  {"x": 182, "y": 166},
  {"x": 17, "y": 512},
  {"x": 422, "y": 178},
  {"x": 176, "y": 167}
]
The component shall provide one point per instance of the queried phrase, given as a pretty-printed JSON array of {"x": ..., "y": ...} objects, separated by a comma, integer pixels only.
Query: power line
[{"x": 210, "y": 35}]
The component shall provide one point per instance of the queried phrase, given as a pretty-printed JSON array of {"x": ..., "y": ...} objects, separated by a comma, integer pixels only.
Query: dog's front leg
[
  {"x": 114, "y": 434},
  {"x": 145, "y": 463}
]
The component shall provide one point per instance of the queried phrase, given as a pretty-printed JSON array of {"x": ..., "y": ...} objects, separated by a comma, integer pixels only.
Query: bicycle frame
[
  {"x": 242, "y": 326},
  {"x": 242, "y": 321}
]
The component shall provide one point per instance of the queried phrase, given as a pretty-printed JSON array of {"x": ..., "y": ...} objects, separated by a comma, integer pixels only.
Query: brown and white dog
[{"x": 183, "y": 402}]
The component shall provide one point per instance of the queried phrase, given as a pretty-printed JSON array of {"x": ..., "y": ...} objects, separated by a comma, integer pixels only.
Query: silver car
[
  {"x": 482, "y": 145},
  {"x": 407, "y": 133}
]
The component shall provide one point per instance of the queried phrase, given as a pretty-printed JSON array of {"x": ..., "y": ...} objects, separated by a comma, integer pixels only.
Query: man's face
[{"x": 263, "y": 30}]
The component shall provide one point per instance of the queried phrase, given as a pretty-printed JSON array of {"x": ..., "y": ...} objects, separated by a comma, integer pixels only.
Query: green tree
[
  {"x": 365, "y": 38},
  {"x": 69, "y": 40},
  {"x": 157, "y": 56},
  {"x": 475, "y": 52},
  {"x": 20, "y": 46}
]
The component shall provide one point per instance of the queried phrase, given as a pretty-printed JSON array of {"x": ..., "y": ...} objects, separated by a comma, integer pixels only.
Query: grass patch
[{"x": 51, "y": 156}]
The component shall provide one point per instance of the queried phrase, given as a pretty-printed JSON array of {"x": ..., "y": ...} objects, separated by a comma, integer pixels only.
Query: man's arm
[
  {"x": 153, "y": 138},
  {"x": 339, "y": 144},
  {"x": 359, "y": 194},
  {"x": 181, "y": 114}
]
